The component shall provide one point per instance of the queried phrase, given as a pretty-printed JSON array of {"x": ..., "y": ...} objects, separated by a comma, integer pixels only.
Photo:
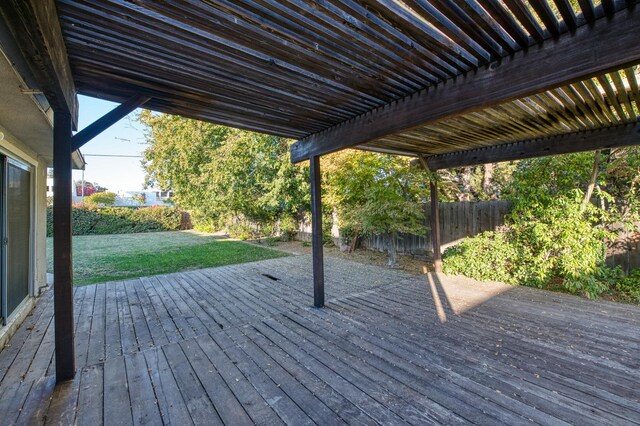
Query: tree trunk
[
  {"x": 466, "y": 184},
  {"x": 391, "y": 249},
  {"x": 487, "y": 180},
  {"x": 592, "y": 181},
  {"x": 354, "y": 242}
]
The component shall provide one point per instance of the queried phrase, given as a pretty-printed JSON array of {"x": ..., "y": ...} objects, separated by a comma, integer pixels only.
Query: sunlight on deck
[
  {"x": 230, "y": 346},
  {"x": 459, "y": 294}
]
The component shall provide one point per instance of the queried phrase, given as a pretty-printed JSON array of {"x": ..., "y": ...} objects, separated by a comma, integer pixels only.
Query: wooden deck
[{"x": 241, "y": 345}]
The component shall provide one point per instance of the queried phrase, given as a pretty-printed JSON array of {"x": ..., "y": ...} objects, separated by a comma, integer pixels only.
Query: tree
[
  {"x": 101, "y": 199},
  {"x": 556, "y": 232},
  {"x": 375, "y": 194},
  {"x": 225, "y": 177},
  {"x": 475, "y": 183},
  {"x": 177, "y": 151}
]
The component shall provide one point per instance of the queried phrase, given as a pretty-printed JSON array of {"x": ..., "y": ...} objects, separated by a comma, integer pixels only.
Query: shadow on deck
[{"x": 241, "y": 345}]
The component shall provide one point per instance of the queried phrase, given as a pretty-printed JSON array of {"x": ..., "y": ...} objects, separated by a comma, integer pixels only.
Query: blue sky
[{"x": 126, "y": 137}]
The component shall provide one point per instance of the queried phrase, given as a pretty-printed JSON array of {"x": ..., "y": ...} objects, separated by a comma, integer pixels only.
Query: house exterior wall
[
  {"x": 40, "y": 227},
  {"x": 14, "y": 148}
]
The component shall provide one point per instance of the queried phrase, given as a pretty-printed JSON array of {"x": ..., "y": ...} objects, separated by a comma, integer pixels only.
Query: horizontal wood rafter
[
  {"x": 608, "y": 45},
  {"x": 611, "y": 137}
]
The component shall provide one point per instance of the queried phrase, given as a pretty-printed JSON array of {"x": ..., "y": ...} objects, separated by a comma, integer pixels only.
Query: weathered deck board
[{"x": 233, "y": 346}]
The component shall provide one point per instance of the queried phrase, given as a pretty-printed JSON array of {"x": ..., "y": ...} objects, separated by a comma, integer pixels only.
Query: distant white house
[
  {"x": 144, "y": 198},
  {"x": 151, "y": 197}
]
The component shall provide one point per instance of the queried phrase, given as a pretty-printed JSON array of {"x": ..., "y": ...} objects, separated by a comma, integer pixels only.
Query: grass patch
[{"x": 99, "y": 258}]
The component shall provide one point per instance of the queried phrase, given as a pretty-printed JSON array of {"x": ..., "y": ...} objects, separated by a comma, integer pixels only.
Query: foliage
[
  {"x": 552, "y": 235},
  {"x": 92, "y": 220},
  {"x": 487, "y": 256},
  {"x": 227, "y": 178},
  {"x": 475, "y": 183},
  {"x": 101, "y": 199},
  {"x": 288, "y": 228},
  {"x": 621, "y": 179},
  {"x": 375, "y": 194},
  {"x": 99, "y": 258},
  {"x": 628, "y": 287},
  {"x": 140, "y": 198}
]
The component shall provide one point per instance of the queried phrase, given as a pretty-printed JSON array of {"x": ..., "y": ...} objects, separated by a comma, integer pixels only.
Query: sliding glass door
[{"x": 16, "y": 234}]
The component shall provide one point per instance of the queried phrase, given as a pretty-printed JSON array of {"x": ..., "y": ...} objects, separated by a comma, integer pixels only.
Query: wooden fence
[
  {"x": 625, "y": 252},
  {"x": 457, "y": 221},
  {"x": 466, "y": 219}
]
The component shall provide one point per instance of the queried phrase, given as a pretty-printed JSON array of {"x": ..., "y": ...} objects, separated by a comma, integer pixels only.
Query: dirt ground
[{"x": 405, "y": 263}]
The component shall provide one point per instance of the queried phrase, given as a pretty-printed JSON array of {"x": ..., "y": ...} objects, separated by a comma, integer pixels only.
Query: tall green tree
[
  {"x": 224, "y": 176},
  {"x": 375, "y": 194}
]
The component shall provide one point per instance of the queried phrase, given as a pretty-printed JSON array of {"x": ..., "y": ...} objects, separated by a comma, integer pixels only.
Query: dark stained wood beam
[
  {"x": 610, "y": 137},
  {"x": 435, "y": 217},
  {"x": 62, "y": 259},
  {"x": 316, "y": 234},
  {"x": 106, "y": 121},
  {"x": 608, "y": 44},
  {"x": 36, "y": 29},
  {"x": 435, "y": 226}
]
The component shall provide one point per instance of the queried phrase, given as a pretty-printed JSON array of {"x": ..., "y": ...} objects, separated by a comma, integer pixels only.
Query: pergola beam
[
  {"x": 611, "y": 137},
  {"x": 107, "y": 120},
  {"x": 609, "y": 44}
]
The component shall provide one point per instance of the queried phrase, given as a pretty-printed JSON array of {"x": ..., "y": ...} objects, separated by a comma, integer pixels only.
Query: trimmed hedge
[{"x": 93, "y": 220}]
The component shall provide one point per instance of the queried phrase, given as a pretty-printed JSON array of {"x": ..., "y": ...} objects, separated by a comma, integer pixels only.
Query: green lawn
[{"x": 99, "y": 258}]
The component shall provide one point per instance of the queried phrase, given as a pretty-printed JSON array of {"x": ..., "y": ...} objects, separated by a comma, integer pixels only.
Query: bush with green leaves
[
  {"x": 375, "y": 194},
  {"x": 628, "y": 287},
  {"x": 288, "y": 228},
  {"x": 94, "y": 220},
  {"x": 552, "y": 235},
  {"x": 487, "y": 256},
  {"x": 101, "y": 199}
]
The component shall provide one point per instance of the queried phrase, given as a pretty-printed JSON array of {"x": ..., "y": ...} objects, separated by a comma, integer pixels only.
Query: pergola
[{"x": 451, "y": 82}]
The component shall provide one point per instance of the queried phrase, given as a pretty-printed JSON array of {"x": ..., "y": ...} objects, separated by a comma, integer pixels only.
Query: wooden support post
[
  {"x": 62, "y": 260},
  {"x": 316, "y": 233},
  {"x": 435, "y": 226},
  {"x": 435, "y": 215}
]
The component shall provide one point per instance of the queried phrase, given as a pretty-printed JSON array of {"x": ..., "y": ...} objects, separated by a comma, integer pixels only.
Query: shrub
[
  {"x": 288, "y": 228},
  {"x": 93, "y": 220},
  {"x": 628, "y": 287},
  {"x": 241, "y": 230},
  {"x": 101, "y": 199},
  {"x": 559, "y": 239},
  {"x": 487, "y": 256},
  {"x": 543, "y": 245}
]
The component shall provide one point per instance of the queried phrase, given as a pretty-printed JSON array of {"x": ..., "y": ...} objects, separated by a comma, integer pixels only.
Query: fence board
[
  {"x": 463, "y": 219},
  {"x": 457, "y": 221}
]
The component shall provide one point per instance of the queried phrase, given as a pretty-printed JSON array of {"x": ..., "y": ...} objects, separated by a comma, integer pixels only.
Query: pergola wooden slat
[
  {"x": 564, "y": 110},
  {"x": 450, "y": 82},
  {"x": 591, "y": 51}
]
